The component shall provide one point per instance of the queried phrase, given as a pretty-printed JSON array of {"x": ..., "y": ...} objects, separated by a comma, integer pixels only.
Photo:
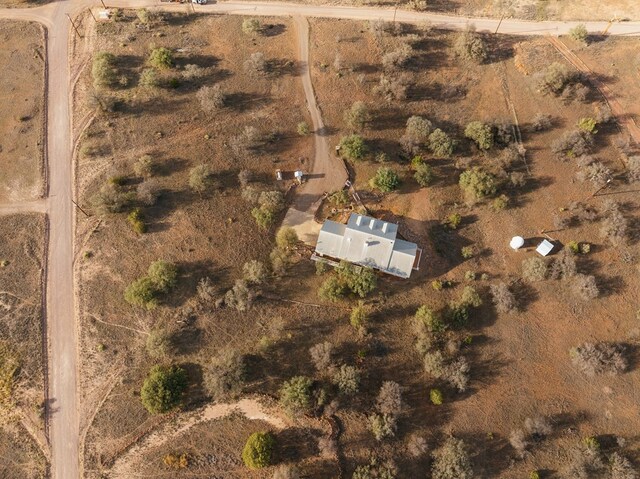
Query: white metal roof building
[{"x": 368, "y": 242}]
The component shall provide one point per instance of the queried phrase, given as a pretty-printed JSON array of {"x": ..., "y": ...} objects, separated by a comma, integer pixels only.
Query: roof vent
[
  {"x": 359, "y": 220},
  {"x": 385, "y": 227},
  {"x": 372, "y": 223}
]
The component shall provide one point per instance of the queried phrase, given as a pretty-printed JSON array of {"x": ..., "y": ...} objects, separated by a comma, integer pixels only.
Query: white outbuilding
[{"x": 368, "y": 242}]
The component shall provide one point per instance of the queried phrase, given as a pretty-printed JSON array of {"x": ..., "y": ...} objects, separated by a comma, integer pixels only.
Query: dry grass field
[
  {"x": 519, "y": 361},
  {"x": 21, "y": 399},
  {"x": 21, "y": 110}
]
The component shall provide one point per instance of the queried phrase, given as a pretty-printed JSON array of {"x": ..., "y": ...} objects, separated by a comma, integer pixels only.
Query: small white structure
[
  {"x": 298, "y": 175},
  {"x": 544, "y": 248},
  {"x": 103, "y": 15},
  {"x": 516, "y": 242},
  {"x": 369, "y": 242}
]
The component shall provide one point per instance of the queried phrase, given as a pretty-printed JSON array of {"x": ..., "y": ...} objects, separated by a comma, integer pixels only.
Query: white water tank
[{"x": 516, "y": 242}]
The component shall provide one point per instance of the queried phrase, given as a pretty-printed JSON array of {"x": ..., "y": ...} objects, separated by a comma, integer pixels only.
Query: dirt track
[{"x": 62, "y": 409}]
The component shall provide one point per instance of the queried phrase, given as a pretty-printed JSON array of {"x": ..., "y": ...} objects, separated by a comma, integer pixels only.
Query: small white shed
[{"x": 545, "y": 248}]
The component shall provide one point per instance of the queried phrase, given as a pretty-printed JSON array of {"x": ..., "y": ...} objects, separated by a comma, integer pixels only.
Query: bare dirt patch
[
  {"x": 21, "y": 254},
  {"x": 21, "y": 110}
]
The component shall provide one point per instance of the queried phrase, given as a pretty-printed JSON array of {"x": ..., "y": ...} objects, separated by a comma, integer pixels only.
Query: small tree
[
  {"x": 251, "y": 26},
  {"x": 423, "y": 175},
  {"x": 211, "y": 98},
  {"x": 579, "y": 33},
  {"x": 375, "y": 470},
  {"x": 239, "y": 297},
  {"x": 163, "y": 388},
  {"x": 332, "y": 289},
  {"x": 148, "y": 192},
  {"x": 258, "y": 450},
  {"x": 360, "y": 280},
  {"x": 161, "y": 58},
  {"x": 470, "y": 47},
  {"x": 477, "y": 183},
  {"x": 159, "y": 343},
  {"x": 416, "y": 134},
  {"x": 142, "y": 292},
  {"x": 163, "y": 274},
  {"x": 382, "y": 426},
  {"x": 201, "y": 178},
  {"x": 386, "y": 180},
  {"x": 357, "y": 117},
  {"x": 359, "y": 316},
  {"x": 440, "y": 144},
  {"x": 295, "y": 394},
  {"x": 226, "y": 376},
  {"x": 480, "y": 133},
  {"x": 428, "y": 320},
  {"x": 353, "y": 147},
  {"x": 451, "y": 461},
  {"x": 397, "y": 58},
  {"x": 555, "y": 78},
  {"x": 256, "y": 64},
  {"x": 347, "y": 379}
]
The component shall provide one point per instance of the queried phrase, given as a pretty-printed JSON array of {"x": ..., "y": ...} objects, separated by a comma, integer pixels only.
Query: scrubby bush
[
  {"x": 397, "y": 58},
  {"x": 470, "y": 47},
  {"x": 452, "y": 221},
  {"x": 193, "y": 72},
  {"x": 226, "y": 375},
  {"x": 254, "y": 271},
  {"x": 417, "y": 445},
  {"x": 386, "y": 180},
  {"x": 201, "y": 178},
  {"x": 389, "y": 400},
  {"x": 538, "y": 427},
  {"x": 357, "y": 117},
  {"x": 303, "y": 128},
  {"x": 142, "y": 292},
  {"x": 588, "y": 125},
  {"x": 347, "y": 379},
  {"x": 149, "y": 78},
  {"x": 145, "y": 166},
  {"x": 614, "y": 225},
  {"x": 595, "y": 172},
  {"x": 321, "y": 356},
  {"x": 534, "y": 269},
  {"x": 163, "y": 388},
  {"x": 477, "y": 183},
  {"x": 579, "y": 33},
  {"x": 423, "y": 175},
  {"x": 375, "y": 470},
  {"x": 112, "y": 198},
  {"x": 440, "y": 144},
  {"x": 382, "y": 426},
  {"x": 585, "y": 460},
  {"x": 159, "y": 343},
  {"x": 161, "y": 58},
  {"x": 503, "y": 298},
  {"x": 556, "y": 78},
  {"x": 295, "y": 394},
  {"x": 416, "y": 134},
  {"x": 435, "y": 396},
  {"x": 251, "y": 26},
  {"x": 176, "y": 461},
  {"x": 163, "y": 274},
  {"x": 480, "y": 133},
  {"x": 541, "y": 122},
  {"x": 211, "y": 98},
  {"x": 258, "y": 450},
  {"x": 633, "y": 169},
  {"x": 286, "y": 471},
  {"x": 332, "y": 289},
  {"x": 286, "y": 238},
  {"x": 353, "y": 147},
  {"x": 392, "y": 87},
  {"x": 519, "y": 441},
  {"x": 467, "y": 252},
  {"x": 585, "y": 287},
  {"x": 240, "y": 297},
  {"x": 428, "y": 320},
  {"x": 621, "y": 467},
  {"x": 563, "y": 265},
  {"x": 451, "y": 461},
  {"x": 256, "y": 64},
  {"x": 103, "y": 69},
  {"x": 264, "y": 218},
  {"x": 599, "y": 358}
]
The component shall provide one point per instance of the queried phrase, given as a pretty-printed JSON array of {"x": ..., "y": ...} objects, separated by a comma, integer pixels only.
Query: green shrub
[
  {"x": 163, "y": 389},
  {"x": 470, "y": 46},
  {"x": 500, "y": 203},
  {"x": 453, "y": 221},
  {"x": 340, "y": 198},
  {"x": 332, "y": 289},
  {"x": 579, "y": 33},
  {"x": 588, "y": 125},
  {"x": 303, "y": 128},
  {"x": 573, "y": 246},
  {"x": 357, "y": 117},
  {"x": 470, "y": 297},
  {"x": 258, "y": 450},
  {"x": 145, "y": 166},
  {"x": 423, "y": 175},
  {"x": 435, "y": 395},
  {"x": 437, "y": 285},
  {"x": 470, "y": 275},
  {"x": 161, "y": 58},
  {"x": 163, "y": 274},
  {"x": 264, "y": 217},
  {"x": 480, "y": 133},
  {"x": 159, "y": 343},
  {"x": 358, "y": 279},
  {"x": 467, "y": 252},
  {"x": 254, "y": 271},
  {"x": 477, "y": 183},
  {"x": 136, "y": 220},
  {"x": 451, "y": 461},
  {"x": 458, "y": 314},
  {"x": 149, "y": 78},
  {"x": 430, "y": 320},
  {"x": 295, "y": 394},
  {"x": 347, "y": 379},
  {"x": 386, "y": 180},
  {"x": 103, "y": 69},
  {"x": 142, "y": 292},
  {"x": 534, "y": 269},
  {"x": 359, "y": 316},
  {"x": 534, "y": 475},
  {"x": 440, "y": 144},
  {"x": 201, "y": 178},
  {"x": 353, "y": 147},
  {"x": 286, "y": 238}
]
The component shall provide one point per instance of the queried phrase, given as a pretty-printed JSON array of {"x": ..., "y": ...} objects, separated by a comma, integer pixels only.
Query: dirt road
[
  {"x": 62, "y": 409},
  {"x": 327, "y": 173}
]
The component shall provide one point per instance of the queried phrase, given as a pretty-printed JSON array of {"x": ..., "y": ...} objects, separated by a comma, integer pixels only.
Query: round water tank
[{"x": 517, "y": 242}]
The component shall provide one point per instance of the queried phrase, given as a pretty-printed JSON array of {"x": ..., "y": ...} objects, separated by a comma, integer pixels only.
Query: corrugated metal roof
[{"x": 368, "y": 241}]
